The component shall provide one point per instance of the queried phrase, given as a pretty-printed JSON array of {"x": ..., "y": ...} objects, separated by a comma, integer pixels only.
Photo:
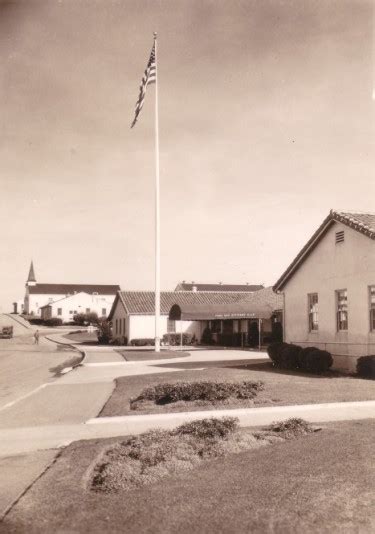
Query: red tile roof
[
  {"x": 363, "y": 223},
  {"x": 65, "y": 289},
  {"x": 242, "y": 288}
]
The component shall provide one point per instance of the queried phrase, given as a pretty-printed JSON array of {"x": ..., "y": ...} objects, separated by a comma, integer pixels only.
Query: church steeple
[{"x": 31, "y": 280}]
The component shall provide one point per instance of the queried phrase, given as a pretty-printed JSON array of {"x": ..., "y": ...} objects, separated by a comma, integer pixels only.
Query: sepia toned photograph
[{"x": 187, "y": 267}]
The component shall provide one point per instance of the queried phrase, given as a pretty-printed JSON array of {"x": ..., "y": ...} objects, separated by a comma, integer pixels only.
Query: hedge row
[
  {"x": 142, "y": 342},
  {"x": 309, "y": 359}
]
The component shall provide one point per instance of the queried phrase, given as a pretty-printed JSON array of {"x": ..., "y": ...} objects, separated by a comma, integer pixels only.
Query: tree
[{"x": 104, "y": 331}]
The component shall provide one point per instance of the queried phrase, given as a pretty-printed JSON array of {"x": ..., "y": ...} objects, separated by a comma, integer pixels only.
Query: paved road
[{"x": 25, "y": 366}]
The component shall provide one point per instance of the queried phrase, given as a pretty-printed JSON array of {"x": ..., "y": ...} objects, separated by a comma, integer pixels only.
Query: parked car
[{"x": 6, "y": 332}]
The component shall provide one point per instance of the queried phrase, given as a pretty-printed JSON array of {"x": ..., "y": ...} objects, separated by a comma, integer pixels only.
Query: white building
[
  {"x": 329, "y": 289},
  {"x": 67, "y": 307},
  {"x": 133, "y": 312},
  {"x": 38, "y": 295},
  {"x": 227, "y": 313}
]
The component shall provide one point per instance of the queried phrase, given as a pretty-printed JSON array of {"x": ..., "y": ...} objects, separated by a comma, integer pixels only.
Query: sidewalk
[{"x": 28, "y": 439}]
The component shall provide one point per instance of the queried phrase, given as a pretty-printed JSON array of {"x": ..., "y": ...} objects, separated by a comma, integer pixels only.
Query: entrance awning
[{"x": 235, "y": 310}]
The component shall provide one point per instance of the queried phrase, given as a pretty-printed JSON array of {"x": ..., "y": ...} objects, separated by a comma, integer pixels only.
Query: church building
[{"x": 39, "y": 295}]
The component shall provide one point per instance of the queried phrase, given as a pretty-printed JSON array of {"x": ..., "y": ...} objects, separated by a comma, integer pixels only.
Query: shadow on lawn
[{"x": 267, "y": 367}]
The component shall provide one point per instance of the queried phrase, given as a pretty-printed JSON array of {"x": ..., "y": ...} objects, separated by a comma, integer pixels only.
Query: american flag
[{"x": 148, "y": 77}]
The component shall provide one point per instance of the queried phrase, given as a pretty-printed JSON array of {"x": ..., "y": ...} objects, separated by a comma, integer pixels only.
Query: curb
[{"x": 75, "y": 349}]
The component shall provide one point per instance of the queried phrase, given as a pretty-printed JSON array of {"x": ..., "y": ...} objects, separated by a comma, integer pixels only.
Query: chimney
[{"x": 194, "y": 289}]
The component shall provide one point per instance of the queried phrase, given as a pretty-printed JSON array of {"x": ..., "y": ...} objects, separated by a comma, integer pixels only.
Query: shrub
[
  {"x": 142, "y": 342},
  {"x": 288, "y": 355},
  {"x": 53, "y": 321},
  {"x": 366, "y": 366},
  {"x": 207, "y": 337},
  {"x": 274, "y": 352},
  {"x": 86, "y": 318},
  {"x": 79, "y": 318},
  {"x": 291, "y": 427},
  {"x": 175, "y": 339},
  {"x": 36, "y": 321},
  {"x": 104, "y": 331},
  {"x": 253, "y": 335},
  {"x": 212, "y": 428},
  {"x": 318, "y": 361},
  {"x": 314, "y": 360},
  {"x": 202, "y": 390}
]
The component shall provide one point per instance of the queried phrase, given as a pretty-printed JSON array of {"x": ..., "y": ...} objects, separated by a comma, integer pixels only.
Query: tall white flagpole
[{"x": 157, "y": 210}]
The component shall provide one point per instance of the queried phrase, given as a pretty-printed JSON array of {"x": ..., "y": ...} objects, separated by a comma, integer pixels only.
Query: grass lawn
[
  {"x": 320, "y": 483},
  {"x": 281, "y": 387},
  {"x": 85, "y": 338},
  {"x": 145, "y": 355}
]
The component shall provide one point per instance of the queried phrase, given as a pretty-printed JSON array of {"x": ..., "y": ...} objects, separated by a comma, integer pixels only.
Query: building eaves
[{"x": 363, "y": 223}]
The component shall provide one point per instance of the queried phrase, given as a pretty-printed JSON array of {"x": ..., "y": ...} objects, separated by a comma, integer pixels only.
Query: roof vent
[{"x": 340, "y": 236}]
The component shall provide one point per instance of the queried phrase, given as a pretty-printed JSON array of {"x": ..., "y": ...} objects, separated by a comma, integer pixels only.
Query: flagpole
[{"x": 157, "y": 210}]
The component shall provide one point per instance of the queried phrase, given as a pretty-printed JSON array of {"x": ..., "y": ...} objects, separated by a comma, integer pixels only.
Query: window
[
  {"x": 340, "y": 236},
  {"x": 71, "y": 312},
  {"x": 342, "y": 309},
  {"x": 104, "y": 312},
  {"x": 87, "y": 310},
  {"x": 313, "y": 312},
  {"x": 59, "y": 311},
  {"x": 372, "y": 308},
  {"x": 171, "y": 327}
]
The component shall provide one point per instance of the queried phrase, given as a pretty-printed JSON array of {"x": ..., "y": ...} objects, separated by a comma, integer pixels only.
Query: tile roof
[
  {"x": 183, "y": 286},
  {"x": 260, "y": 305},
  {"x": 265, "y": 297},
  {"x": 363, "y": 223},
  {"x": 143, "y": 302},
  {"x": 65, "y": 289}
]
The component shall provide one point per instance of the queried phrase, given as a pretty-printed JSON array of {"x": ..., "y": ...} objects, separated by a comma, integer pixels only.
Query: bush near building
[
  {"x": 86, "y": 318},
  {"x": 366, "y": 366},
  {"x": 53, "y": 321},
  {"x": 175, "y": 339},
  {"x": 142, "y": 342},
  {"x": 290, "y": 356},
  {"x": 104, "y": 331}
]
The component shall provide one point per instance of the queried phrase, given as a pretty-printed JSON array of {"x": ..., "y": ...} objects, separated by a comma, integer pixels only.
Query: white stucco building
[
  {"x": 67, "y": 307},
  {"x": 329, "y": 289},
  {"x": 133, "y": 312},
  {"x": 228, "y": 314},
  {"x": 38, "y": 295}
]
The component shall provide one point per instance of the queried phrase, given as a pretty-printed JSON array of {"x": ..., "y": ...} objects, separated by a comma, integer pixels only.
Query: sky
[{"x": 266, "y": 123}]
